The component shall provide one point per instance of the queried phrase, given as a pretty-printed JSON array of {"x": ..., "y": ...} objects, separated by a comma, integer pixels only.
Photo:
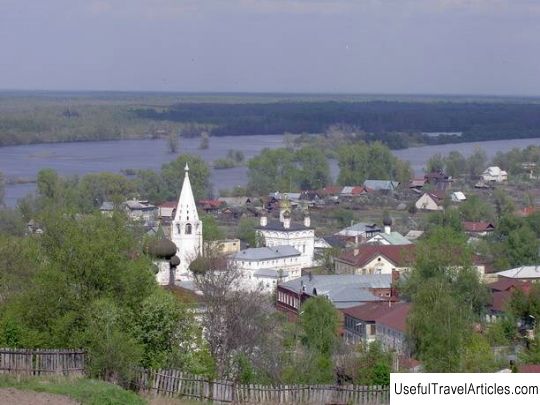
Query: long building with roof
[{"x": 343, "y": 290}]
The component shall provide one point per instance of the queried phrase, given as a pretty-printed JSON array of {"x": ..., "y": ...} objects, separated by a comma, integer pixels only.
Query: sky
[{"x": 483, "y": 47}]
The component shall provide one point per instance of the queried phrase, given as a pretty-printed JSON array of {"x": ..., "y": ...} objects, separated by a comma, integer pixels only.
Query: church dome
[
  {"x": 387, "y": 220},
  {"x": 175, "y": 261},
  {"x": 161, "y": 249}
]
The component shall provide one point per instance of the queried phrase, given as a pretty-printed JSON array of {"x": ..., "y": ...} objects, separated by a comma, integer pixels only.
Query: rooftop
[
  {"x": 478, "y": 226},
  {"x": 267, "y": 253},
  {"x": 343, "y": 290},
  {"x": 360, "y": 227},
  {"x": 381, "y": 184},
  {"x": 394, "y": 238},
  {"x": 400, "y": 255},
  {"x": 276, "y": 225},
  {"x": 523, "y": 272},
  {"x": 397, "y": 318},
  {"x": 370, "y": 311}
]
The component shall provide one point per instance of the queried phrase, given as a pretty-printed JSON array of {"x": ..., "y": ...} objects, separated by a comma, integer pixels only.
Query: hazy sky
[{"x": 352, "y": 46}]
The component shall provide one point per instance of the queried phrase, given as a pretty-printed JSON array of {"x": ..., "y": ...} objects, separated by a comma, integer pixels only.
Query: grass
[{"x": 84, "y": 390}]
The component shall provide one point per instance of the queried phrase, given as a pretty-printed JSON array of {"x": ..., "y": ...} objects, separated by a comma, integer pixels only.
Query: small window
[{"x": 188, "y": 229}]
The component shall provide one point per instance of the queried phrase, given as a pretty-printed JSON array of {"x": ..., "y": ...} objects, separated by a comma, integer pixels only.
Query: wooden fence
[
  {"x": 42, "y": 361},
  {"x": 174, "y": 383}
]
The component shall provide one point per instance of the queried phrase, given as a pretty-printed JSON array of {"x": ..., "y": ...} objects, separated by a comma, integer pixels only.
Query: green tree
[
  {"x": 172, "y": 175},
  {"x": 319, "y": 322},
  {"x": 95, "y": 188},
  {"x": 48, "y": 184},
  {"x": 313, "y": 169},
  {"x": 503, "y": 203},
  {"x": 353, "y": 164},
  {"x": 447, "y": 297},
  {"x": 522, "y": 247},
  {"x": 475, "y": 209},
  {"x": 476, "y": 162},
  {"x": 172, "y": 143},
  {"x": 272, "y": 170},
  {"x": 435, "y": 163},
  {"x": 246, "y": 231},
  {"x": 211, "y": 230},
  {"x": 455, "y": 164}
]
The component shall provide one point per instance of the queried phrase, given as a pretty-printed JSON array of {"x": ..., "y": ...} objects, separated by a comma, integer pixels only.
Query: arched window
[{"x": 188, "y": 229}]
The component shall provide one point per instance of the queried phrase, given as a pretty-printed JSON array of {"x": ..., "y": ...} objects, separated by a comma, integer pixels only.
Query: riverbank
[{"x": 25, "y": 161}]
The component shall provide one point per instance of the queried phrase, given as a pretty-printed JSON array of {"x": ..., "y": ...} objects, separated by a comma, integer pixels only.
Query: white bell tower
[{"x": 186, "y": 228}]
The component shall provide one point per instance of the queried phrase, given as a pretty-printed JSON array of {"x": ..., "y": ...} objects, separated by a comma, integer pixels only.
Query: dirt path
[{"x": 12, "y": 396}]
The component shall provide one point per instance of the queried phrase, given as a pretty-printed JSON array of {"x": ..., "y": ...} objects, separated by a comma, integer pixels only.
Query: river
[{"x": 24, "y": 161}]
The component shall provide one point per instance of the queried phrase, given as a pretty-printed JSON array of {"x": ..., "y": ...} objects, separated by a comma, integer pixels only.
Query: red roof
[
  {"x": 478, "y": 226},
  {"x": 417, "y": 182},
  {"x": 529, "y": 368},
  {"x": 210, "y": 203},
  {"x": 400, "y": 255},
  {"x": 331, "y": 190},
  {"x": 168, "y": 204},
  {"x": 509, "y": 284},
  {"x": 396, "y": 319},
  {"x": 370, "y": 311},
  {"x": 358, "y": 190},
  {"x": 499, "y": 300}
]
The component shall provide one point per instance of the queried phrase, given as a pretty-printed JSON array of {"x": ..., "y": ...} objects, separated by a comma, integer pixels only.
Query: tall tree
[{"x": 172, "y": 175}]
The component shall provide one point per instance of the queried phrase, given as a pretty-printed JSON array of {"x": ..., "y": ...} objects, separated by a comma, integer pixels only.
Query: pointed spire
[{"x": 186, "y": 209}]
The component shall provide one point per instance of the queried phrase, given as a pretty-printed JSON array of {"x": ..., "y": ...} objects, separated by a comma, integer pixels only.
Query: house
[
  {"x": 344, "y": 291},
  {"x": 479, "y": 228},
  {"x": 166, "y": 211},
  {"x": 235, "y": 201},
  {"x": 360, "y": 230},
  {"x": 280, "y": 232},
  {"x": 264, "y": 267},
  {"x": 107, "y": 208},
  {"x": 388, "y": 237},
  {"x": 494, "y": 174},
  {"x": 429, "y": 202},
  {"x": 501, "y": 294},
  {"x": 391, "y": 329},
  {"x": 209, "y": 205},
  {"x": 458, "y": 196},
  {"x": 352, "y": 191},
  {"x": 380, "y": 185},
  {"x": 417, "y": 183},
  {"x": 359, "y": 322},
  {"x": 141, "y": 210},
  {"x": 524, "y": 273},
  {"x": 224, "y": 246},
  {"x": 375, "y": 259}
]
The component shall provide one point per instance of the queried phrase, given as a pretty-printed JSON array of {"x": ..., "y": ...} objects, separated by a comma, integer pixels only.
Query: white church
[
  {"x": 186, "y": 233},
  {"x": 288, "y": 247}
]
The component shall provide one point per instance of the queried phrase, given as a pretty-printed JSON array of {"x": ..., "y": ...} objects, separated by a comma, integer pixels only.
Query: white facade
[
  {"x": 494, "y": 174},
  {"x": 283, "y": 233},
  {"x": 264, "y": 267},
  {"x": 428, "y": 203},
  {"x": 186, "y": 229}
]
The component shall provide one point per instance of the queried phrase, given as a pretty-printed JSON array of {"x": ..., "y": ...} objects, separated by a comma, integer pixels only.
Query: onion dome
[
  {"x": 175, "y": 261},
  {"x": 387, "y": 220},
  {"x": 161, "y": 249}
]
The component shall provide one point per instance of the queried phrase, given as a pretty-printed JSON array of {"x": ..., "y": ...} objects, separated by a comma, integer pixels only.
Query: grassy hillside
[{"x": 86, "y": 391}]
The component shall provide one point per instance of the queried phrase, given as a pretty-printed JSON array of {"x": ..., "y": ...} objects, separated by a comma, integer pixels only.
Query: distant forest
[
  {"x": 477, "y": 121},
  {"x": 397, "y": 121}
]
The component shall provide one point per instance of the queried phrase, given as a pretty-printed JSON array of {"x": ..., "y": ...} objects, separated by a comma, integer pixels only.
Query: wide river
[{"x": 24, "y": 161}]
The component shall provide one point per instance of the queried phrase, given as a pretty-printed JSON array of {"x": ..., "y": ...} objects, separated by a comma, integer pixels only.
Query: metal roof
[
  {"x": 267, "y": 253},
  {"x": 521, "y": 272},
  {"x": 344, "y": 290}
]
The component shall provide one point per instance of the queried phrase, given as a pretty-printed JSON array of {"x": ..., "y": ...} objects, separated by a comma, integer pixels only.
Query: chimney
[
  {"x": 286, "y": 222},
  {"x": 264, "y": 220},
  {"x": 307, "y": 221},
  {"x": 387, "y": 229}
]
